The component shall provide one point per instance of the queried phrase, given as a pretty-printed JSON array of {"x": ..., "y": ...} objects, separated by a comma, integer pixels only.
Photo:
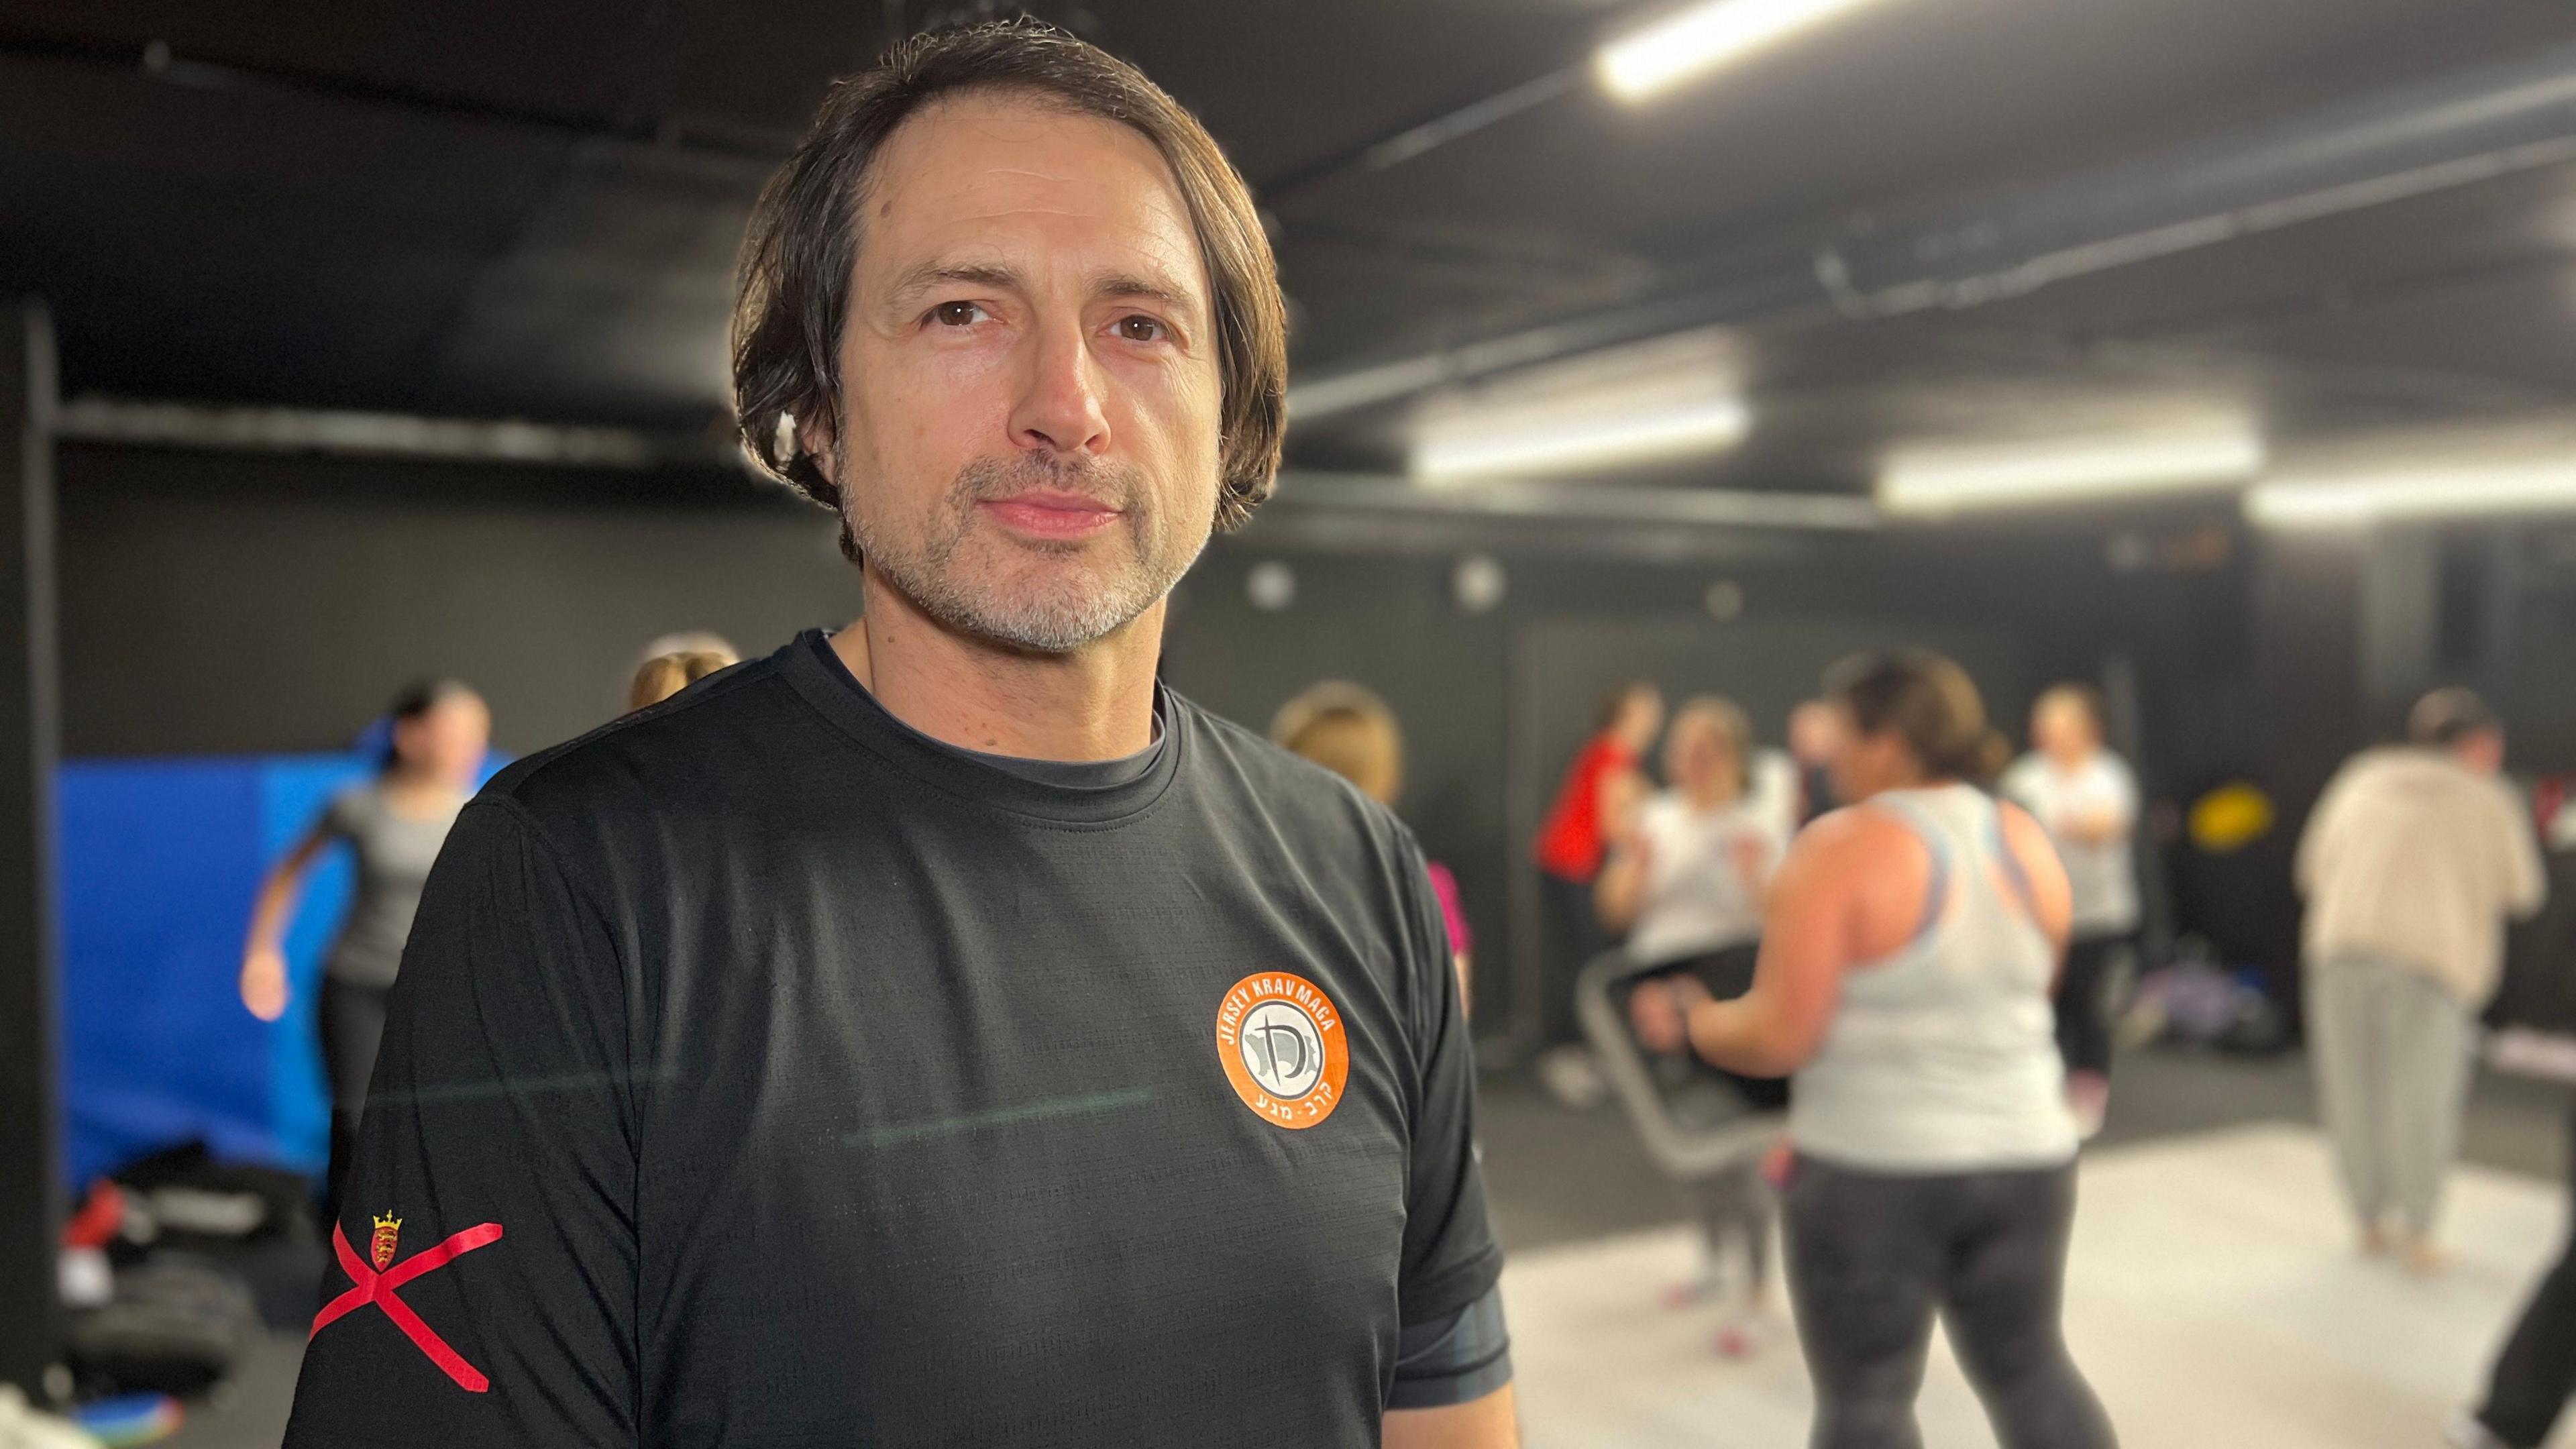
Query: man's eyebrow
[
  {"x": 1149, "y": 289},
  {"x": 926, "y": 275}
]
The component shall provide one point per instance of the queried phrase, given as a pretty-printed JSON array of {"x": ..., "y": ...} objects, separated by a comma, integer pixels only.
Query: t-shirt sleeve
[
  {"x": 2120, "y": 792},
  {"x": 1450, "y": 1258},
  {"x": 482, "y": 1284},
  {"x": 344, "y": 817}
]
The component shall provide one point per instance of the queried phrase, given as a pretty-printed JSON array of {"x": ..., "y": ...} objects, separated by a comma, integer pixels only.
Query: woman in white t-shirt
[
  {"x": 2087, "y": 799},
  {"x": 1686, "y": 882}
]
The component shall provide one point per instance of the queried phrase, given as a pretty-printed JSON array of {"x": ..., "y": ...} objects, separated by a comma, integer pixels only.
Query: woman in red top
[{"x": 1601, "y": 788}]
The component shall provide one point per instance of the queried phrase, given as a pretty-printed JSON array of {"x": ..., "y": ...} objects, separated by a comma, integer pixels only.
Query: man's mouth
[{"x": 1051, "y": 513}]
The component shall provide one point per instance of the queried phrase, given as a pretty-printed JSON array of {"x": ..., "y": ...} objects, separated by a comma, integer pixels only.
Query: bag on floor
[{"x": 176, "y": 1326}]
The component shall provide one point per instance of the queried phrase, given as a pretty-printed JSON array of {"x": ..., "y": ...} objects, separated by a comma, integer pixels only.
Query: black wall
[{"x": 219, "y": 603}]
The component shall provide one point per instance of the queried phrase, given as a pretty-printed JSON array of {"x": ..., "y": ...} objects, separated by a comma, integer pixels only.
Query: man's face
[{"x": 1030, "y": 389}]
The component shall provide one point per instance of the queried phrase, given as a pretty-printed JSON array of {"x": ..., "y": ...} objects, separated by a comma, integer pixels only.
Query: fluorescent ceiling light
[
  {"x": 1949, "y": 479},
  {"x": 1511, "y": 442},
  {"x": 1700, "y": 39},
  {"x": 2535, "y": 486}
]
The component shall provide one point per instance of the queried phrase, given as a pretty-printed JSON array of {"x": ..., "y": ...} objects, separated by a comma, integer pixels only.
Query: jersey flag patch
[
  {"x": 375, "y": 1283},
  {"x": 1281, "y": 1042}
]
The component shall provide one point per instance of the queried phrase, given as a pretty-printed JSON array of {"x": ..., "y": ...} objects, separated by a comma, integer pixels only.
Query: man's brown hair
[{"x": 794, "y": 285}]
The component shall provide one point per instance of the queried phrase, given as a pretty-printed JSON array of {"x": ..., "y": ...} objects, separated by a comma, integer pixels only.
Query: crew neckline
[{"x": 1070, "y": 791}]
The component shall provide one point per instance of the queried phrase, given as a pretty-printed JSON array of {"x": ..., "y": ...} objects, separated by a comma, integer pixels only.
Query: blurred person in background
[
  {"x": 1348, "y": 730},
  {"x": 2086, "y": 797},
  {"x": 1908, "y": 954},
  {"x": 664, "y": 674},
  {"x": 1593, "y": 801},
  {"x": 2412, "y": 860},
  {"x": 440, "y": 732},
  {"x": 1816, "y": 730},
  {"x": 1685, "y": 885},
  {"x": 2535, "y": 1373},
  {"x": 938, "y": 1031}
]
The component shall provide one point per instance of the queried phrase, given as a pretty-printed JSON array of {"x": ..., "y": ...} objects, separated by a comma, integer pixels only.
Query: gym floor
[{"x": 2205, "y": 1160}]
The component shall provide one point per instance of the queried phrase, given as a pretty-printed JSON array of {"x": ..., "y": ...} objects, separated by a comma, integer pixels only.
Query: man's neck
[{"x": 1096, "y": 703}]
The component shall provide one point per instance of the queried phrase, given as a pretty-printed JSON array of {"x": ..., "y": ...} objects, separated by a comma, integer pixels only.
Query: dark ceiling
[{"x": 530, "y": 209}]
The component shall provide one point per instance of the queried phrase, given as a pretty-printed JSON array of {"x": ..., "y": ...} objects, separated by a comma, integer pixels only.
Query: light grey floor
[
  {"x": 2213, "y": 1298},
  {"x": 1560, "y": 1176}
]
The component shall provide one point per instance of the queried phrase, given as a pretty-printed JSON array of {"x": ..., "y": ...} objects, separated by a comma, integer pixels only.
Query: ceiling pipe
[
  {"x": 235, "y": 429},
  {"x": 1556, "y": 503},
  {"x": 2406, "y": 141}
]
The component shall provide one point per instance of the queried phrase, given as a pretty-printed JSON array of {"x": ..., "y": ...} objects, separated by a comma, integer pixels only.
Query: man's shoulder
[
  {"x": 1285, "y": 786},
  {"x": 679, "y": 746}
]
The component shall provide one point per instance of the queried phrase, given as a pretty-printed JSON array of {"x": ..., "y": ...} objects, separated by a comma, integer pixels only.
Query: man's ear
[{"x": 814, "y": 440}]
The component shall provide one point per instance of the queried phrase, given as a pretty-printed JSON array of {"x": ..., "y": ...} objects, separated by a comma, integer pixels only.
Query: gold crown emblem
[{"x": 387, "y": 1236}]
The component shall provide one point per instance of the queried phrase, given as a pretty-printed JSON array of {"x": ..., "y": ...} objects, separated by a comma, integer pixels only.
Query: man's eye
[
  {"x": 1141, "y": 329},
  {"x": 956, "y": 314}
]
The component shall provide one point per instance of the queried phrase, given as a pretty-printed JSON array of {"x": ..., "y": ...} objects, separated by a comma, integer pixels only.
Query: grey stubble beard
[{"x": 1074, "y": 609}]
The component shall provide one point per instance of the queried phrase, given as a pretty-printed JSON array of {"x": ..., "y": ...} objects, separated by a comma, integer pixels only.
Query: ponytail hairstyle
[{"x": 1929, "y": 702}]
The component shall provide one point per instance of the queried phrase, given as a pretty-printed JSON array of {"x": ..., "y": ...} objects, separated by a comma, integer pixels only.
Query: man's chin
[{"x": 1058, "y": 617}]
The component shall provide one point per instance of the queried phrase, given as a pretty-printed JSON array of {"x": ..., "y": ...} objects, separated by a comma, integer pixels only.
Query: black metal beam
[
  {"x": 157, "y": 61},
  {"x": 31, "y": 1199}
]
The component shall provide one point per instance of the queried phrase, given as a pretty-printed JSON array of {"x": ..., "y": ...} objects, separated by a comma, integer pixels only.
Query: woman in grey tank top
[
  {"x": 1910, "y": 947},
  {"x": 394, "y": 825}
]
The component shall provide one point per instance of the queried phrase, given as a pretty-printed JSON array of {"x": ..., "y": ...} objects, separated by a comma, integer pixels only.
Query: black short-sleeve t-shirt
[{"x": 761, "y": 1073}]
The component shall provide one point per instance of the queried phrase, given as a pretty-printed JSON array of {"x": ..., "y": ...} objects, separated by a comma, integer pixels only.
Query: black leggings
[
  {"x": 2084, "y": 1005},
  {"x": 353, "y": 1025},
  {"x": 1873, "y": 1256}
]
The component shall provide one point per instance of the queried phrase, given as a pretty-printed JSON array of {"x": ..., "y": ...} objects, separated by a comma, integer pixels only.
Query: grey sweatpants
[{"x": 2391, "y": 1049}]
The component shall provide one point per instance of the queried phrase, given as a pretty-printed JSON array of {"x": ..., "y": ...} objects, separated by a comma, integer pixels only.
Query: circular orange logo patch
[{"x": 1281, "y": 1040}]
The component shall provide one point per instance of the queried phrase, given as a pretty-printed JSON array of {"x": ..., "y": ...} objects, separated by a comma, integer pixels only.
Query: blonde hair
[
  {"x": 1348, "y": 730},
  {"x": 665, "y": 675},
  {"x": 1731, "y": 724}
]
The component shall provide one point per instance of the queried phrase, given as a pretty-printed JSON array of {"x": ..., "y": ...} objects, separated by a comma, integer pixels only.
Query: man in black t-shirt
[{"x": 937, "y": 1033}]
